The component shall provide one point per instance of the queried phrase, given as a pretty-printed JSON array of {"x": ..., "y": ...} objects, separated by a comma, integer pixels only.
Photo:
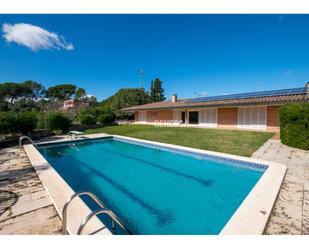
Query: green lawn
[{"x": 242, "y": 143}]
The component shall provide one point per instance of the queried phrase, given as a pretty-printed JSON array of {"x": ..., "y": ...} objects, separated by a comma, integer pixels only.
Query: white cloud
[{"x": 34, "y": 37}]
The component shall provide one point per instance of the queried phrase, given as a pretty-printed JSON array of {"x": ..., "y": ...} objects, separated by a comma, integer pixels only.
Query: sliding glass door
[{"x": 193, "y": 117}]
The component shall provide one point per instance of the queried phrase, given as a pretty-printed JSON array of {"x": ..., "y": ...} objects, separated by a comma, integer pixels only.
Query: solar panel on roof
[{"x": 290, "y": 91}]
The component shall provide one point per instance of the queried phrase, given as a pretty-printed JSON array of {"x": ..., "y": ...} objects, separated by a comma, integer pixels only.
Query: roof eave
[{"x": 243, "y": 102}]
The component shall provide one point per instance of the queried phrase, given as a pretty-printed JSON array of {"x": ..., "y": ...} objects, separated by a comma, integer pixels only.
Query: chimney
[{"x": 174, "y": 98}]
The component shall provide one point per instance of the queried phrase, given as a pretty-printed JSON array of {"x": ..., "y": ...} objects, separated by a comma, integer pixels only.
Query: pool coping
[
  {"x": 52, "y": 182},
  {"x": 250, "y": 218}
]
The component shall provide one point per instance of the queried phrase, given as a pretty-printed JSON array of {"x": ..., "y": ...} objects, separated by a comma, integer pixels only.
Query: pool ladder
[
  {"x": 28, "y": 138},
  {"x": 101, "y": 210}
]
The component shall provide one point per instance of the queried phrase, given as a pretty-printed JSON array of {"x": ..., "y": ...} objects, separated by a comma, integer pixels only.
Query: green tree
[
  {"x": 3, "y": 103},
  {"x": 80, "y": 93},
  {"x": 105, "y": 105},
  {"x": 156, "y": 91},
  {"x": 32, "y": 89},
  {"x": 25, "y": 105},
  {"x": 127, "y": 97},
  {"x": 61, "y": 92},
  {"x": 92, "y": 100},
  {"x": 20, "y": 92},
  {"x": 11, "y": 91}
]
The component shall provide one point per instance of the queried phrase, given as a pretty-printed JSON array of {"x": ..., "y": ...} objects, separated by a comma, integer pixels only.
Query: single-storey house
[
  {"x": 252, "y": 111},
  {"x": 74, "y": 103}
]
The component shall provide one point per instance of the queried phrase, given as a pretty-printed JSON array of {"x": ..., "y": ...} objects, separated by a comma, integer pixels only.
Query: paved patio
[
  {"x": 290, "y": 214},
  {"x": 25, "y": 207}
]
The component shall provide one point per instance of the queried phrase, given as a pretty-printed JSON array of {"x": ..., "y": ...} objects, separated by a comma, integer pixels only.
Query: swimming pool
[{"x": 154, "y": 189}]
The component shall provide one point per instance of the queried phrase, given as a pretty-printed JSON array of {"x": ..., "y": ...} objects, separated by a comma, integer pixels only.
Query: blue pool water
[{"x": 155, "y": 190}]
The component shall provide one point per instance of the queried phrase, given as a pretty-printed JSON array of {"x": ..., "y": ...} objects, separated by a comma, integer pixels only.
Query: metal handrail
[
  {"x": 102, "y": 211},
  {"x": 26, "y": 137},
  {"x": 66, "y": 205}
]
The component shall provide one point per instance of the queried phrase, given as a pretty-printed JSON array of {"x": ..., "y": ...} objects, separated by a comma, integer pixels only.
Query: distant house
[
  {"x": 67, "y": 104},
  {"x": 73, "y": 103},
  {"x": 251, "y": 111}
]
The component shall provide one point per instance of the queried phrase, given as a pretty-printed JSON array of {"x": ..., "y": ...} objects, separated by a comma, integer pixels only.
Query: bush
[
  {"x": 54, "y": 121},
  {"x": 4, "y": 107},
  {"x": 94, "y": 111},
  {"x": 106, "y": 118},
  {"x": 25, "y": 122},
  {"x": 87, "y": 119},
  {"x": 22, "y": 122},
  {"x": 6, "y": 122},
  {"x": 294, "y": 125}
]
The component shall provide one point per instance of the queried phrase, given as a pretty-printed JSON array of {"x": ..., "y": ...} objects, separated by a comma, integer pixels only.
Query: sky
[{"x": 194, "y": 55}]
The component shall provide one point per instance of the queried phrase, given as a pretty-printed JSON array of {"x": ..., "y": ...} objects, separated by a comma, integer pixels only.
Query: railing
[
  {"x": 108, "y": 213},
  {"x": 26, "y": 137},
  {"x": 94, "y": 213}
]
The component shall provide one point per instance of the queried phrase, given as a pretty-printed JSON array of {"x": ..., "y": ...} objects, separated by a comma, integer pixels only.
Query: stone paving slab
[
  {"x": 42, "y": 221},
  {"x": 290, "y": 214},
  {"x": 25, "y": 205}
]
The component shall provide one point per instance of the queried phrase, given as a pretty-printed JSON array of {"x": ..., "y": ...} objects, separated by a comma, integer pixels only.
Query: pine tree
[
  {"x": 156, "y": 91},
  {"x": 151, "y": 94}
]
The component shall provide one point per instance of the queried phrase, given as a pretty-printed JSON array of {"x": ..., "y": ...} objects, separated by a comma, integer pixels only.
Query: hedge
[
  {"x": 22, "y": 122},
  {"x": 87, "y": 119},
  {"x": 54, "y": 121},
  {"x": 294, "y": 125},
  {"x": 106, "y": 118}
]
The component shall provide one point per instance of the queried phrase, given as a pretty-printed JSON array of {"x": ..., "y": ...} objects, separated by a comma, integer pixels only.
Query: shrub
[
  {"x": 21, "y": 122},
  {"x": 54, "y": 121},
  {"x": 106, "y": 118},
  {"x": 294, "y": 125},
  {"x": 4, "y": 107},
  {"x": 87, "y": 119},
  {"x": 42, "y": 122},
  {"x": 6, "y": 122},
  {"x": 25, "y": 122},
  {"x": 94, "y": 111}
]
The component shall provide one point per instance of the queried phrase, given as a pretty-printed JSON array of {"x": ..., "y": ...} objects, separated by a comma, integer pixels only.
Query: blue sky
[{"x": 193, "y": 54}]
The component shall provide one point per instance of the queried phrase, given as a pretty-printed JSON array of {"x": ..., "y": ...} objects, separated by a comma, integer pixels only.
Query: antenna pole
[{"x": 141, "y": 77}]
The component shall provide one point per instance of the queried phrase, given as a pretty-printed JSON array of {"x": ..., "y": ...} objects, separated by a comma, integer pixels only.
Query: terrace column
[{"x": 187, "y": 116}]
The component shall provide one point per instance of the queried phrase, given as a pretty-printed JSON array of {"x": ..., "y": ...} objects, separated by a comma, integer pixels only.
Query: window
[
  {"x": 193, "y": 117},
  {"x": 142, "y": 116},
  {"x": 252, "y": 117},
  {"x": 176, "y": 115},
  {"x": 209, "y": 117}
]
